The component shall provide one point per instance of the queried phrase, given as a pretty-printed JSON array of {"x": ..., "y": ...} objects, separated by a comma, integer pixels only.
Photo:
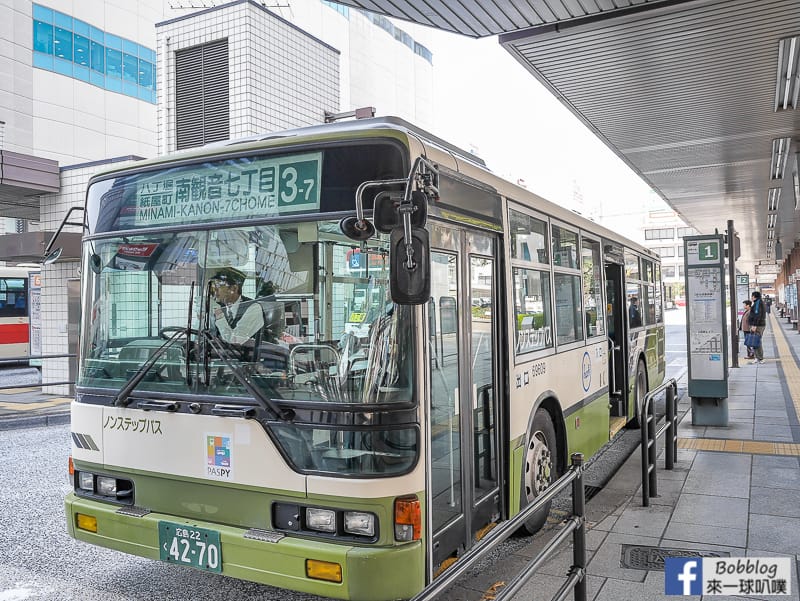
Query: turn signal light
[
  {"x": 323, "y": 570},
  {"x": 71, "y": 466},
  {"x": 407, "y": 519},
  {"x": 86, "y": 522}
]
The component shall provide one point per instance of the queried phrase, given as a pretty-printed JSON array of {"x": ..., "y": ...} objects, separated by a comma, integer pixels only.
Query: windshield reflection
[{"x": 295, "y": 310}]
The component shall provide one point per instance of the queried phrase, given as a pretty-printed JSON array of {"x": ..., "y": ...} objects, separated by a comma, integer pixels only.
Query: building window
[
  {"x": 76, "y": 49},
  {"x": 98, "y": 57},
  {"x": 81, "y": 46},
  {"x": 202, "y": 109},
  {"x": 397, "y": 33},
  {"x": 664, "y": 233},
  {"x": 423, "y": 52},
  {"x": 42, "y": 37},
  {"x": 342, "y": 10},
  {"x": 146, "y": 78},
  {"x": 669, "y": 271},
  {"x": 113, "y": 63},
  {"x": 686, "y": 231},
  {"x": 665, "y": 251},
  {"x": 63, "y": 45}
]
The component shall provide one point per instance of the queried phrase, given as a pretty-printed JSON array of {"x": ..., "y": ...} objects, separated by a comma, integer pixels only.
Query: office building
[{"x": 85, "y": 84}]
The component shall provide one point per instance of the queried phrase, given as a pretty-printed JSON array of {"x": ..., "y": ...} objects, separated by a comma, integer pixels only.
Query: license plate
[{"x": 190, "y": 546}]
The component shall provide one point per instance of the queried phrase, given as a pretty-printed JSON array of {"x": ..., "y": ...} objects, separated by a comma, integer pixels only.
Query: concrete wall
[{"x": 280, "y": 77}]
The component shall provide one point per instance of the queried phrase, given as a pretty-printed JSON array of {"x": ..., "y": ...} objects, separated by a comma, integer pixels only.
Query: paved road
[
  {"x": 675, "y": 324},
  {"x": 18, "y": 376},
  {"x": 38, "y": 560}
]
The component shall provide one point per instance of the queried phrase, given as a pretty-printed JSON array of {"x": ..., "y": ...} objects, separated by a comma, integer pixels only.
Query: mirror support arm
[
  {"x": 64, "y": 222},
  {"x": 405, "y": 211}
]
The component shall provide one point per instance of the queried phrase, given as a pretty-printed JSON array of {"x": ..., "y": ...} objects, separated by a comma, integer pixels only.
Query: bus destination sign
[{"x": 233, "y": 189}]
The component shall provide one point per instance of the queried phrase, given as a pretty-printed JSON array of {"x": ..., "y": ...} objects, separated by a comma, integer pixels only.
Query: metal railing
[
  {"x": 650, "y": 436},
  {"x": 27, "y": 358},
  {"x": 575, "y": 525}
]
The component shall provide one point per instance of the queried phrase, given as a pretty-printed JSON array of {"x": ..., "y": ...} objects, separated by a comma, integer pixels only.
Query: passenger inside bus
[{"x": 634, "y": 313}]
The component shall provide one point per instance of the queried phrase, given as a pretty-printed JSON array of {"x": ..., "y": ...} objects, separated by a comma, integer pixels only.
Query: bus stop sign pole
[
  {"x": 706, "y": 331},
  {"x": 733, "y": 246}
]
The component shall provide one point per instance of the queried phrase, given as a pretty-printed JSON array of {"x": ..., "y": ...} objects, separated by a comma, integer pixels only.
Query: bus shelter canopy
[{"x": 697, "y": 96}]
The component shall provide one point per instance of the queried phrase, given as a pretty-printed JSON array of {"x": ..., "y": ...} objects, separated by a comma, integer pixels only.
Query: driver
[{"x": 238, "y": 319}]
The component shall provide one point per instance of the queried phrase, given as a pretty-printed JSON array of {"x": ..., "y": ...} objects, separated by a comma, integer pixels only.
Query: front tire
[
  {"x": 540, "y": 468},
  {"x": 639, "y": 392}
]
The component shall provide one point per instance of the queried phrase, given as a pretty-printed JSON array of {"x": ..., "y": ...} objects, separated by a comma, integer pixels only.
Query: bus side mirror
[
  {"x": 95, "y": 263},
  {"x": 386, "y": 214},
  {"x": 410, "y": 266},
  {"x": 52, "y": 257}
]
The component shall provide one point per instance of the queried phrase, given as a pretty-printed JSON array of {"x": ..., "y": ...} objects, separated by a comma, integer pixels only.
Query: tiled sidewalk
[
  {"x": 29, "y": 407},
  {"x": 734, "y": 489}
]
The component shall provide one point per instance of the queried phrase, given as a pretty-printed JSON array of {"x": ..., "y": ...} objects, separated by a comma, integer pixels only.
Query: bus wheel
[
  {"x": 540, "y": 467},
  {"x": 639, "y": 391}
]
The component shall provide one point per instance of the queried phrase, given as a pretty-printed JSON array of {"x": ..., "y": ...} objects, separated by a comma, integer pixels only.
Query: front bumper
[{"x": 369, "y": 573}]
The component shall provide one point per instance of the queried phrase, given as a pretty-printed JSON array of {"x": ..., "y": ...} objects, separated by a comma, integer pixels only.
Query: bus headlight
[
  {"x": 323, "y": 520},
  {"x": 359, "y": 522},
  {"x": 86, "y": 481},
  {"x": 104, "y": 488},
  {"x": 107, "y": 486}
]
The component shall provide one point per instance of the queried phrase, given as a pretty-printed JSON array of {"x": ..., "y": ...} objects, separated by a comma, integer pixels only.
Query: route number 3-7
[{"x": 290, "y": 189}]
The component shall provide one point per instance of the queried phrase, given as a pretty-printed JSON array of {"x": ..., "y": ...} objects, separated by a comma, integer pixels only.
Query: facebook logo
[{"x": 683, "y": 575}]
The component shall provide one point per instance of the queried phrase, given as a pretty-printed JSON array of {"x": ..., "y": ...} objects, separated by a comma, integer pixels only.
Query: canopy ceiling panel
[
  {"x": 479, "y": 18},
  {"x": 696, "y": 96}
]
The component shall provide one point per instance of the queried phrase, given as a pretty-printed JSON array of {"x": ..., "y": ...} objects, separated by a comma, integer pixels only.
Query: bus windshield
[{"x": 294, "y": 310}]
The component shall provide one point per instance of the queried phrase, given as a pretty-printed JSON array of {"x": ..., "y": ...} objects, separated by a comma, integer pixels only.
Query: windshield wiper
[
  {"x": 121, "y": 400},
  {"x": 189, "y": 338},
  {"x": 216, "y": 344}
]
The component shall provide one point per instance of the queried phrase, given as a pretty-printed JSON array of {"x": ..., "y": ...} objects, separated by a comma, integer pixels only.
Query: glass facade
[
  {"x": 76, "y": 49},
  {"x": 342, "y": 10},
  {"x": 398, "y": 34}
]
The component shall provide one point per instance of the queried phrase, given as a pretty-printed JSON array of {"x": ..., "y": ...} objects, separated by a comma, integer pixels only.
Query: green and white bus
[{"x": 436, "y": 342}]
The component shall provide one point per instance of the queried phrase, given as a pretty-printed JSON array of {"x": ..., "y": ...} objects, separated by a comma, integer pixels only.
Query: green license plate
[{"x": 190, "y": 546}]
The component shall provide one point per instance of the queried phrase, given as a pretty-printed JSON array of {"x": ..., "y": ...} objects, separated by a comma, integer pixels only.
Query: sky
[{"x": 485, "y": 100}]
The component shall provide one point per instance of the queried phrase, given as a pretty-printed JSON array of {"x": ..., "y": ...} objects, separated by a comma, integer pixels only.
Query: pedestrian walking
[
  {"x": 758, "y": 322},
  {"x": 744, "y": 327}
]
